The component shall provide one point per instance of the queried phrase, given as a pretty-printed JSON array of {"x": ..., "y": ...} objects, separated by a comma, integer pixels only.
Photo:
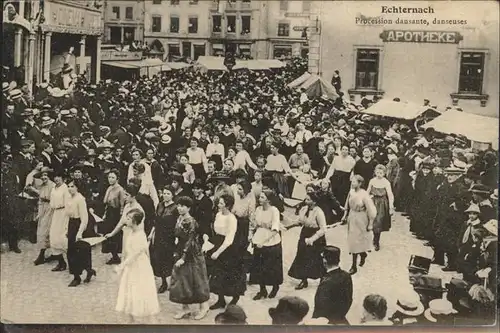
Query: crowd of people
[{"x": 187, "y": 176}]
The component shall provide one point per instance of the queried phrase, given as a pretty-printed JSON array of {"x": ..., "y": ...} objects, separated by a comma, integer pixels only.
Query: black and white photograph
[{"x": 250, "y": 162}]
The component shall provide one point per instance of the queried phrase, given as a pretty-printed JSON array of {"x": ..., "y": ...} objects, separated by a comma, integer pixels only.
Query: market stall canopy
[
  {"x": 209, "y": 63},
  {"x": 217, "y": 64},
  {"x": 300, "y": 80},
  {"x": 399, "y": 110},
  {"x": 474, "y": 127},
  {"x": 317, "y": 86},
  {"x": 145, "y": 63},
  {"x": 177, "y": 65}
]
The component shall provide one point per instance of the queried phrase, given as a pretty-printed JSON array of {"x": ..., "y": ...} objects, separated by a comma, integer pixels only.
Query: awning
[
  {"x": 244, "y": 47},
  {"x": 284, "y": 47},
  {"x": 399, "y": 110},
  {"x": 474, "y": 127},
  {"x": 118, "y": 64},
  {"x": 218, "y": 46}
]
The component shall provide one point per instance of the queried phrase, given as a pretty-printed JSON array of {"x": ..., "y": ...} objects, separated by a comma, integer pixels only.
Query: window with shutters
[
  {"x": 116, "y": 13},
  {"x": 471, "y": 73},
  {"x": 367, "y": 68},
  {"x": 156, "y": 23},
  {"x": 174, "y": 24}
]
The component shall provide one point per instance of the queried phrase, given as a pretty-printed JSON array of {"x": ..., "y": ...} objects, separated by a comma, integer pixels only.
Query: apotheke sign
[{"x": 406, "y": 36}]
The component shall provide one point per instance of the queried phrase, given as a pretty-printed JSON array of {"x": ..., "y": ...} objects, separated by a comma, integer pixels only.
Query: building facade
[
  {"x": 452, "y": 62},
  {"x": 51, "y": 28},
  {"x": 250, "y": 28},
  {"x": 123, "y": 21}
]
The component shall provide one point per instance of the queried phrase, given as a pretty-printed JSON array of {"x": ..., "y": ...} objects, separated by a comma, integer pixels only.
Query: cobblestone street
[{"x": 32, "y": 294}]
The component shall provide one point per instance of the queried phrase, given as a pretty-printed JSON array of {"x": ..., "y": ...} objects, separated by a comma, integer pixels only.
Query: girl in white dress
[{"x": 137, "y": 295}]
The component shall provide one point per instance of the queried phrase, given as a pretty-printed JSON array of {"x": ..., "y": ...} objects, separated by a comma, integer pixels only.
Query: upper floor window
[
  {"x": 283, "y": 4},
  {"x": 284, "y": 29},
  {"x": 174, "y": 24},
  {"x": 156, "y": 23},
  {"x": 471, "y": 73},
  {"x": 367, "y": 68},
  {"x": 216, "y": 23},
  {"x": 193, "y": 25},
  {"x": 129, "y": 13},
  {"x": 306, "y": 6},
  {"x": 116, "y": 12},
  {"x": 231, "y": 23},
  {"x": 245, "y": 24}
]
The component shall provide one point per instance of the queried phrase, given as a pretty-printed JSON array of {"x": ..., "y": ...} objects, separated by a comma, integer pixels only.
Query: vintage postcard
[{"x": 250, "y": 162}]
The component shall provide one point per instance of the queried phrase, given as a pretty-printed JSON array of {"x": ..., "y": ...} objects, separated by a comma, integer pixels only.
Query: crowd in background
[{"x": 197, "y": 169}]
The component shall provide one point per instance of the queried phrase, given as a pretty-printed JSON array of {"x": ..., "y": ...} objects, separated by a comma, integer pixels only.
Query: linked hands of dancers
[{"x": 309, "y": 241}]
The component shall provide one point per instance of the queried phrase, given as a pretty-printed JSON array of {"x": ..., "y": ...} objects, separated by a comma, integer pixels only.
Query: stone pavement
[{"x": 32, "y": 294}]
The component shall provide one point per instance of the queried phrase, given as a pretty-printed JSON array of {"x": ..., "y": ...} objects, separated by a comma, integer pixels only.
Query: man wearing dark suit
[
  {"x": 121, "y": 136},
  {"x": 333, "y": 297}
]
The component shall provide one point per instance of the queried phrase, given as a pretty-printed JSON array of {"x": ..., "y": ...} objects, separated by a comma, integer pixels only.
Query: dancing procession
[{"x": 240, "y": 196}]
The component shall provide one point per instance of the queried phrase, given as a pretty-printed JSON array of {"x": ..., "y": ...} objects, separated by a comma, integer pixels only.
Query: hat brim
[
  {"x": 428, "y": 316},
  {"x": 413, "y": 313}
]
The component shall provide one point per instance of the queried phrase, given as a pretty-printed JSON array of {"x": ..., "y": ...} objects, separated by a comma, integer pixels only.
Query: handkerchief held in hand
[
  {"x": 93, "y": 240},
  {"x": 250, "y": 248},
  {"x": 207, "y": 246}
]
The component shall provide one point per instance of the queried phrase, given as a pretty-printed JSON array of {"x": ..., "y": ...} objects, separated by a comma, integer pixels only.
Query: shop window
[
  {"x": 128, "y": 35},
  {"x": 199, "y": 51},
  {"x": 186, "y": 49},
  {"x": 216, "y": 23},
  {"x": 115, "y": 35},
  {"x": 116, "y": 13},
  {"x": 231, "y": 23},
  {"x": 245, "y": 24},
  {"x": 304, "y": 53},
  {"x": 174, "y": 50},
  {"x": 283, "y": 4},
  {"x": 367, "y": 68},
  {"x": 471, "y": 73},
  {"x": 282, "y": 51},
  {"x": 156, "y": 23},
  {"x": 174, "y": 2},
  {"x": 174, "y": 24},
  {"x": 193, "y": 25},
  {"x": 283, "y": 29},
  {"x": 129, "y": 13}
]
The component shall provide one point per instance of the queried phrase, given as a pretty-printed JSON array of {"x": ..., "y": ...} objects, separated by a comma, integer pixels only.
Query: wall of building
[
  {"x": 183, "y": 10},
  {"x": 413, "y": 71},
  {"x": 110, "y": 20},
  {"x": 296, "y": 15}
]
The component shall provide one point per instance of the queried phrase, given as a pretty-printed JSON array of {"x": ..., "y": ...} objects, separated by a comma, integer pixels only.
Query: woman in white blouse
[
  {"x": 339, "y": 174},
  {"x": 215, "y": 152},
  {"x": 380, "y": 190},
  {"x": 267, "y": 264},
  {"x": 227, "y": 277},
  {"x": 197, "y": 159},
  {"x": 79, "y": 252},
  {"x": 278, "y": 167}
]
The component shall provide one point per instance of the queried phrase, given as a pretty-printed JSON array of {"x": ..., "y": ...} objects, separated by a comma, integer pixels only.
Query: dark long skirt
[
  {"x": 199, "y": 171},
  {"x": 308, "y": 262},
  {"x": 267, "y": 266},
  {"x": 190, "y": 282},
  {"x": 241, "y": 238},
  {"x": 163, "y": 248},
  {"x": 228, "y": 276},
  {"x": 341, "y": 184},
  {"x": 79, "y": 253},
  {"x": 149, "y": 211},
  {"x": 382, "y": 221},
  {"x": 281, "y": 183},
  {"x": 113, "y": 244}
]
